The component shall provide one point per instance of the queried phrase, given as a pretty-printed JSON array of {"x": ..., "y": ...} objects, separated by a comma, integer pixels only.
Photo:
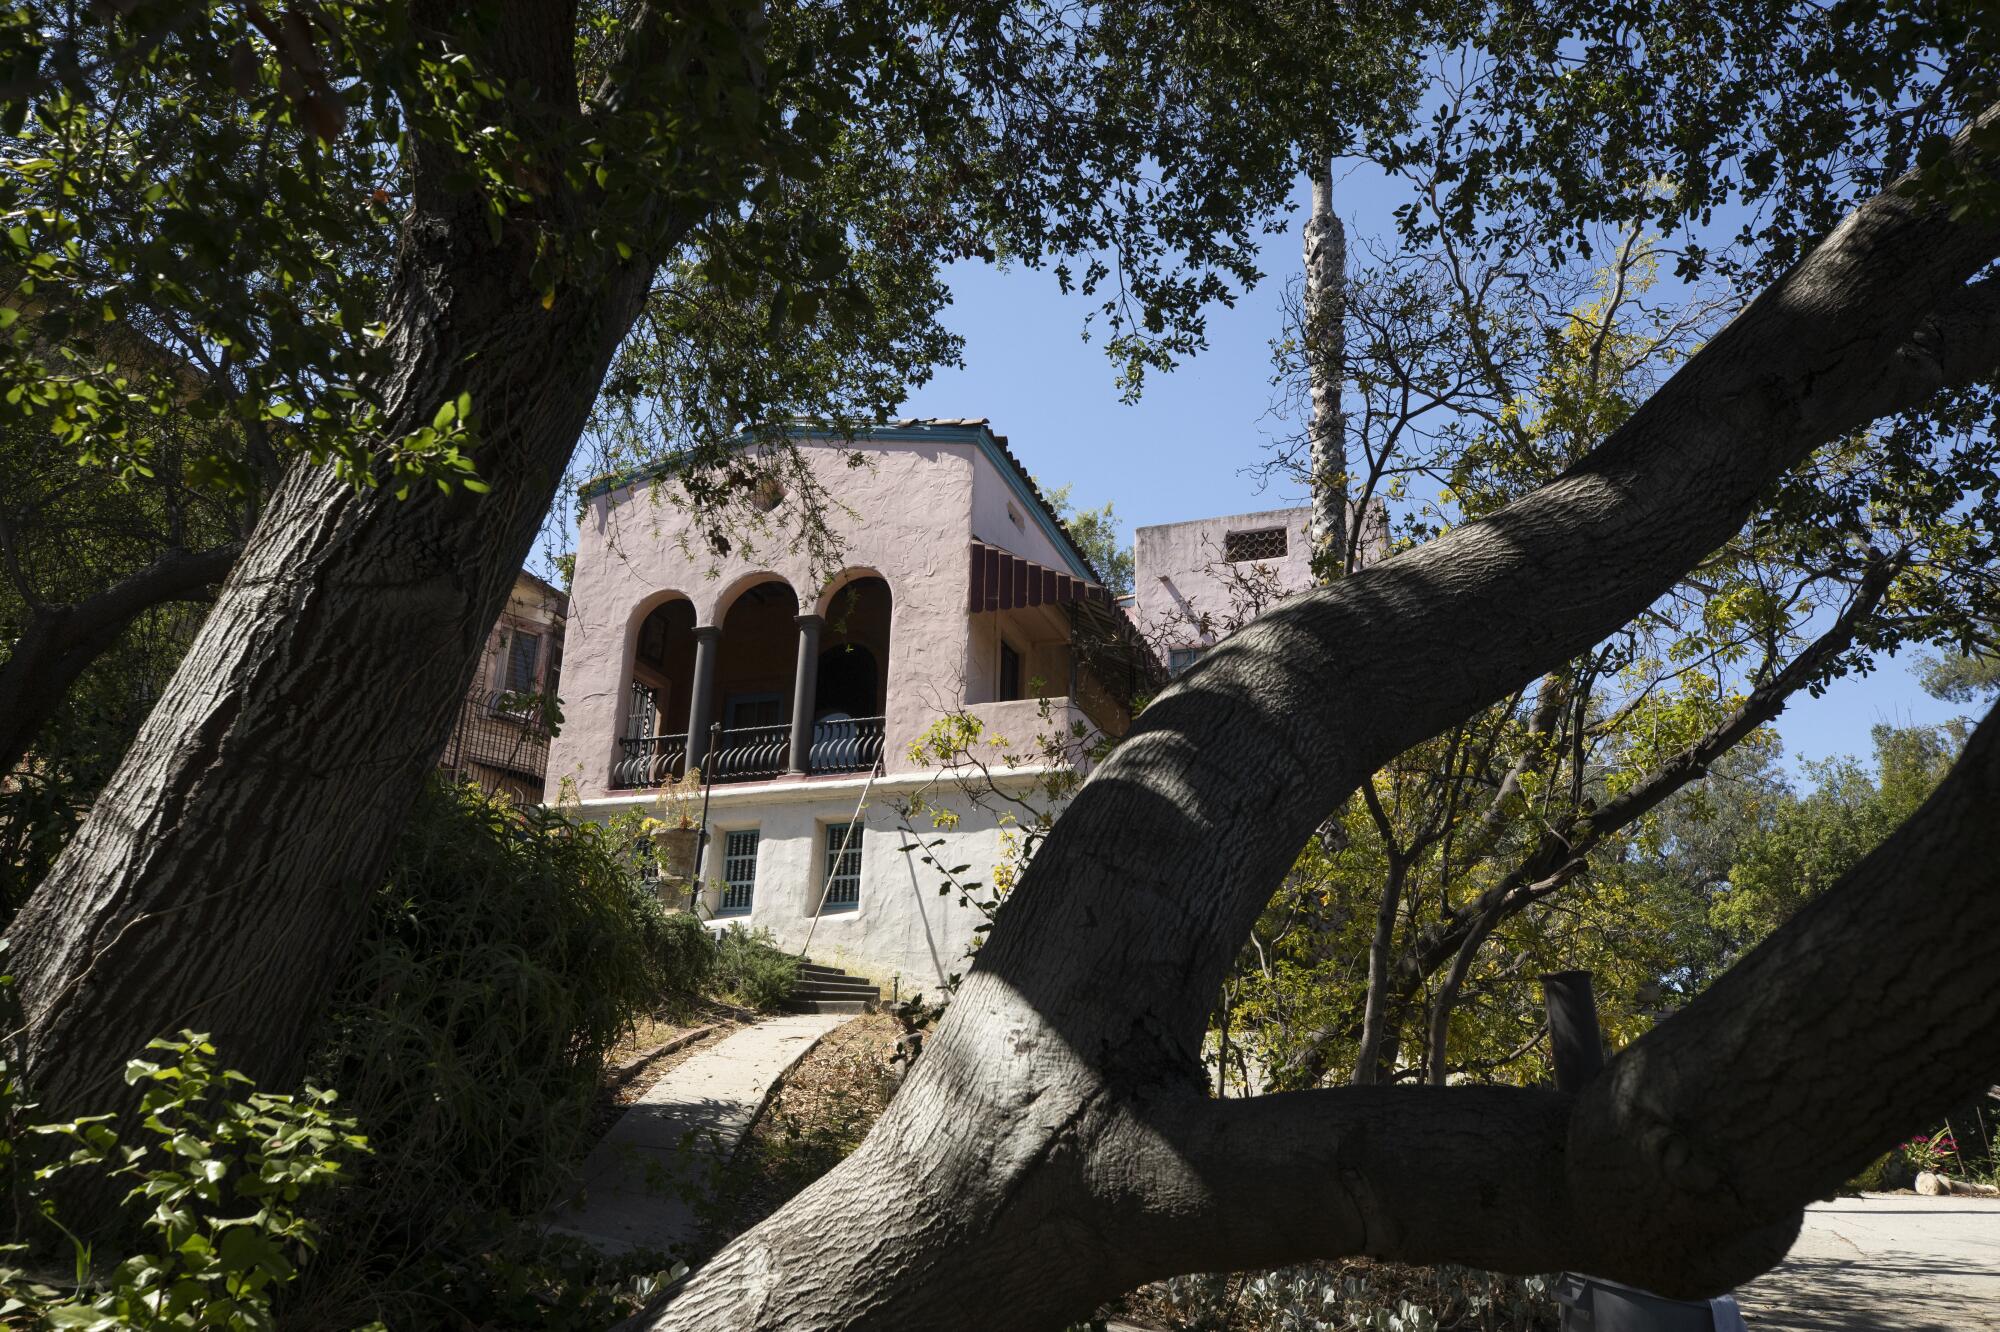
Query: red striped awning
[{"x": 1002, "y": 580}]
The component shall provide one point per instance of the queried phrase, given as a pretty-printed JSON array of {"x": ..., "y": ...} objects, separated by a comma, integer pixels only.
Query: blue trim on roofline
[{"x": 983, "y": 436}]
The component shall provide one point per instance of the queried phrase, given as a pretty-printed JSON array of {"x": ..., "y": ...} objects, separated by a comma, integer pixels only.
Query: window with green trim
[
  {"x": 739, "y": 872},
  {"x": 843, "y": 866}
]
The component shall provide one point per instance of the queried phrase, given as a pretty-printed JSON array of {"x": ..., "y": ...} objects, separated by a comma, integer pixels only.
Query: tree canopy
[{"x": 380, "y": 260}]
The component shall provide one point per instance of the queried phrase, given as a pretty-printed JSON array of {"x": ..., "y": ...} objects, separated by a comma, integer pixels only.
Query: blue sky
[{"x": 1189, "y": 447}]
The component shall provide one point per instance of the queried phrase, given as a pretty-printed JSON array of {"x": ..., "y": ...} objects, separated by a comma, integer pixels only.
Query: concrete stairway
[{"x": 830, "y": 990}]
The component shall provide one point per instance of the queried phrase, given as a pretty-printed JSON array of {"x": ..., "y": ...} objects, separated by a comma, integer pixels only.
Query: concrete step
[
  {"x": 837, "y": 989},
  {"x": 818, "y": 969},
  {"x": 798, "y": 1005}
]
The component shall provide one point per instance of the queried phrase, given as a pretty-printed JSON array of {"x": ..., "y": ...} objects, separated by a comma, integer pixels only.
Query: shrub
[
  {"x": 224, "y": 1185},
  {"x": 751, "y": 970},
  {"x": 505, "y": 955},
  {"x": 682, "y": 952}
]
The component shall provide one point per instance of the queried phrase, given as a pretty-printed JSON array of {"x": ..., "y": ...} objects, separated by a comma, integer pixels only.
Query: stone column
[
  {"x": 701, "y": 699},
  {"x": 805, "y": 681}
]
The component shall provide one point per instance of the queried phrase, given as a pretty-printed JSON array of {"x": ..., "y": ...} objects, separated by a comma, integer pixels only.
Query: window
[
  {"x": 1010, "y": 673},
  {"x": 522, "y": 655},
  {"x": 753, "y": 710},
  {"x": 1180, "y": 658},
  {"x": 1014, "y": 515},
  {"x": 843, "y": 867},
  {"x": 739, "y": 872},
  {"x": 1264, "y": 543},
  {"x": 653, "y": 639}
]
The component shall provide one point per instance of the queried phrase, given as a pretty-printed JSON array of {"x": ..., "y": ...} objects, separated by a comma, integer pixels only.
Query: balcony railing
[
  {"x": 505, "y": 732},
  {"x": 751, "y": 753},
  {"x": 847, "y": 744},
  {"x": 649, "y": 760}
]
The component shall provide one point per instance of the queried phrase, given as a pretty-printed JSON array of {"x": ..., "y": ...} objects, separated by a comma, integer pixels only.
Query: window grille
[
  {"x": 642, "y": 712},
  {"x": 1180, "y": 658},
  {"x": 522, "y": 655},
  {"x": 1264, "y": 543},
  {"x": 739, "y": 872},
  {"x": 843, "y": 869},
  {"x": 1010, "y": 673}
]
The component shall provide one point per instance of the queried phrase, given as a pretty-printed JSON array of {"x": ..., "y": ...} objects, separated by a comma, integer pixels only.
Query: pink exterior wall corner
[{"x": 1175, "y": 573}]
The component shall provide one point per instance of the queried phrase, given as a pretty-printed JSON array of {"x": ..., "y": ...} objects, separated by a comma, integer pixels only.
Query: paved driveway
[{"x": 1886, "y": 1262}]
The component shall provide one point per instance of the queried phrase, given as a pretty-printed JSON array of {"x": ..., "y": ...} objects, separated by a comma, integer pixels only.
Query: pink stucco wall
[
  {"x": 1178, "y": 570},
  {"x": 914, "y": 512}
]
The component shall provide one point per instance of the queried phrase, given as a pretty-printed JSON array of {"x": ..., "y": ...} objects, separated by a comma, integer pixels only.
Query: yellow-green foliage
[{"x": 1811, "y": 840}]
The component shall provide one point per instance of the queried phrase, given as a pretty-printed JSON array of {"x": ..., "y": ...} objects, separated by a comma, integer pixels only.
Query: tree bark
[
  {"x": 62, "y": 641},
  {"x": 1325, "y": 336},
  {"x": 223, "y": 873},
  {"x": 1058, "y": 1111}
]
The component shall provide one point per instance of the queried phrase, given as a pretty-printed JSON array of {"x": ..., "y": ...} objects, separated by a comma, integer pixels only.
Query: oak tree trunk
[
  {"x": 1056, "y": 1146},
  {"x": 221, "y": 877}
]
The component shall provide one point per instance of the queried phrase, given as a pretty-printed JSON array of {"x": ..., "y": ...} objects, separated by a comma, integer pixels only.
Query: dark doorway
[{"x": 849, "y": 682}]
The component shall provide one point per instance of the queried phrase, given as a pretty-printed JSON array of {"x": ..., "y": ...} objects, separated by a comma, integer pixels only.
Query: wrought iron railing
[
  {"x": 508, "y": 733},
  {"x": 751, "y": 753},
  {"x": 847, "y": 744},
  {"x": 649, "y": 760}
]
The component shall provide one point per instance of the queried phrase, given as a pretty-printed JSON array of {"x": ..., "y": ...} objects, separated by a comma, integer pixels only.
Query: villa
[{"x": 803, "y": 697}]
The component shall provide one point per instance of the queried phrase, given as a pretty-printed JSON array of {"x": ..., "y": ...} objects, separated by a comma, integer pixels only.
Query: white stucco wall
[
  {"x": 1177, "y": 573},
  {"x": 904, "y": 932}
]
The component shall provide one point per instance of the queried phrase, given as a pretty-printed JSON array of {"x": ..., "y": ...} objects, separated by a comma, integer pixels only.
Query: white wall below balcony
[{"x": 904, "y": 931}]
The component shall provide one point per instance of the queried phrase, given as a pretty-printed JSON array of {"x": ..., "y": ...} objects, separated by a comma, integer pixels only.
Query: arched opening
[
  {"x": 851, "y": 688},
  {"x": 659, "y": 679},
  {"x": 755, "y": 660}
]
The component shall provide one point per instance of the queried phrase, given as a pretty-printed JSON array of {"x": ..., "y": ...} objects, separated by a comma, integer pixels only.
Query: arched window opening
[
  {"x": 755, "y": 661},
  {"x": 851, "y": 689},
  {"x": 653, "y": 747}
]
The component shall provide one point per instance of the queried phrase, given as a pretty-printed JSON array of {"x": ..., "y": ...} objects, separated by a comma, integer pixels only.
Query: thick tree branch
[
  {"x": 1863, "y": 1015},
  {"x": 60, "y": 642},
  {"x": 1681, "y": 1168}
]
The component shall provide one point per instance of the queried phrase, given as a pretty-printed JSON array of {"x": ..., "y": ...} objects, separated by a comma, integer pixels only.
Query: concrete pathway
[
  {"x": 669, "y": 1144},
  {"x": 1885, "y": 1262}
]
